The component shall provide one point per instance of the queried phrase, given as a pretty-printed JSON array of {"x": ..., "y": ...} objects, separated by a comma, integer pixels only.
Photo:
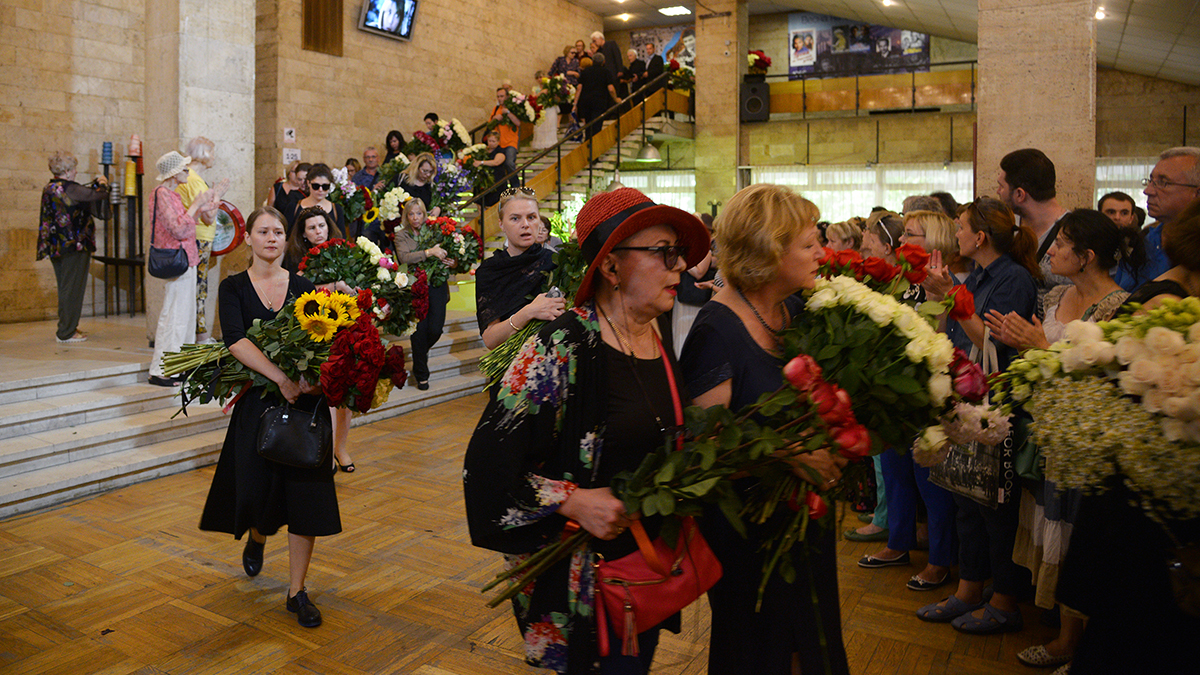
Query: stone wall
[
  {"x": 81, "y": 73},
  {"x": 460, "y": 52},
  {"x": 74, "y": 78}
]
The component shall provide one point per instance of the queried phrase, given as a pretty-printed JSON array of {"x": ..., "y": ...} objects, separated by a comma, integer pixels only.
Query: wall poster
[
  {"x": 670, "y": 42},
  {"x": 826, "y": 46}
]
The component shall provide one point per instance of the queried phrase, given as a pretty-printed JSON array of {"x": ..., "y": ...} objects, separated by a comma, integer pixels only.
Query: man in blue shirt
[
  {"x": 369, "y": 175},
  {"x": 1172, "y": 185}
]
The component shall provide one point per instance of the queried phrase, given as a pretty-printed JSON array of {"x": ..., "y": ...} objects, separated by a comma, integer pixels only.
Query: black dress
[
  {"x": 1153, "y": 289},
  {"x": 247, "y": 490},
  {"x": 744, "y": 641}
]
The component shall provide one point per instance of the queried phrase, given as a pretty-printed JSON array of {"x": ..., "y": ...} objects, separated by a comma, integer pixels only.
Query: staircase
[
  {"x": 100, "y": 427},
  {"x": 608, "y": 149}
]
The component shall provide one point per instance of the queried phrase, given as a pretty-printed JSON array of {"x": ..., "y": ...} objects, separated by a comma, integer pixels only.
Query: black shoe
[
  {"x": 306, "y": 613},
  {"x": 252, "y": 556},
  {"x": 164, "y": 381},
  {"x": 422, "y": 385}
]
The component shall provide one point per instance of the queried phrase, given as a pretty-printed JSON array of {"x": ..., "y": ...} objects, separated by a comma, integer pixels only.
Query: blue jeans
[{"x": 905, "y": 483}]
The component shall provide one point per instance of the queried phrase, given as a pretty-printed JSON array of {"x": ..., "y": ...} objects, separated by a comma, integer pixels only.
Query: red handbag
[{"x": 641, "y": 590}]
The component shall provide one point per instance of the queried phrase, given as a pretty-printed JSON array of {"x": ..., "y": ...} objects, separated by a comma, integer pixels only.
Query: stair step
[
  {"x": 56, "y": 484},
  {"x": 87, "y": 441},
  {"x": 59, "y": 384},
  {"x": 69, "y": 410}
]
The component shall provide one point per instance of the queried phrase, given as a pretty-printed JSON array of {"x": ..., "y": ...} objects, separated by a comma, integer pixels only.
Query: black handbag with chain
[{"x": 296, "y": 437}]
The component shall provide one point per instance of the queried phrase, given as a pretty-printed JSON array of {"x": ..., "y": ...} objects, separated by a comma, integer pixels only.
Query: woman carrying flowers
[
  {"x": 312, "y": 229},
  {"x": 429, "y": 329},
  {"x": 767, "y": 236},
  {"x": 905, "y": 482},
  {"x": 587, "y": 398},
  {"x": 1087, "y": 248},
  {"x": 1003, "y": 281},
  {"x": 320, "y": 187},
  {"x": 249, "y": 492},
  {"x": 505, "y": 282},
  {"x": 415, "y": 181}
]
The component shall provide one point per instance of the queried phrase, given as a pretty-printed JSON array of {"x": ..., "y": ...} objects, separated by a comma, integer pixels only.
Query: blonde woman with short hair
[{"x": 769, "y": 246}]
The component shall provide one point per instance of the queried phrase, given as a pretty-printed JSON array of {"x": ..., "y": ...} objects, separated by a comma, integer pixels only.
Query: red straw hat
[{"x": 610, "y": 218}]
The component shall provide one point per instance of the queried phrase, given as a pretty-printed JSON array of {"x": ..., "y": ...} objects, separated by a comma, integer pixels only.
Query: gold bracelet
[{"x": 513, "y": 325}]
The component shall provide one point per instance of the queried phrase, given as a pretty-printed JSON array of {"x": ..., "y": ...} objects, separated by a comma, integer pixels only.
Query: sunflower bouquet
[
  {"x": 297, "y": 340},
  {"x": 463, "y": 246},
  {"x": 400, "y": 298}
]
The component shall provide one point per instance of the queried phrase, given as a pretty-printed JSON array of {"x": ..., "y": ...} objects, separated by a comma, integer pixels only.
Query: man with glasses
[
  {"x": 369, "y": 175},
  {"x": 1173, "y": 184},
  {"x": 1026, "y": 184}
]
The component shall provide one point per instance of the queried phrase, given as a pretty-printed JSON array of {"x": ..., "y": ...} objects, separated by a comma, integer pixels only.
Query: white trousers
[{"x": 177, "y": 320}]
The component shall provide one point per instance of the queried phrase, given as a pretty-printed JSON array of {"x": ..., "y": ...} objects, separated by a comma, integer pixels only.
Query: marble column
[
  {"x": 200, "y": 82},
  {"x": 720, "y": 63},
  {"x": 1037, "y": 88}
]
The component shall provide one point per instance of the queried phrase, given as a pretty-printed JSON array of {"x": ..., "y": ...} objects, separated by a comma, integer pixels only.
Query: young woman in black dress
[{"x": 249, "y": 492}]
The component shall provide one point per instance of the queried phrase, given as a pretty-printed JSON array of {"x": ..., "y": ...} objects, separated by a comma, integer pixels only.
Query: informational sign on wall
[
  {"x": 826, "y": 46},
  {"x": 289, "y": 135},
  {"x": 670, "y": 42},
  {"x": 291, "y": 155}
]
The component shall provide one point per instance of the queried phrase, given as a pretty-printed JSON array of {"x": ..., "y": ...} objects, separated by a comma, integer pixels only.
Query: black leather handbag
[
  {"x": 296, "y": 437},
  {"x": 164, "y": 263}
]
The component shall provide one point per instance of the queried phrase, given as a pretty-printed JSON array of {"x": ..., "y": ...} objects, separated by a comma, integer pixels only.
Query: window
[{"x": 322, "y": 20}]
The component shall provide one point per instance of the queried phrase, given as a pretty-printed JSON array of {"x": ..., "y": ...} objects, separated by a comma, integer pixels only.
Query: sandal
[
  {"x": 993, "y": 621},
  {"x": 916, "y": 583},
  {"x": 348, "y": 468},
  {"x": 1039, "y": 657},
  {"x": 939, "y": 613}
]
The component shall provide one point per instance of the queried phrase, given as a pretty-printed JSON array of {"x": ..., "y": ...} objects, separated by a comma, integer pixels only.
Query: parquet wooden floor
[{"x": 125, "y": 583}]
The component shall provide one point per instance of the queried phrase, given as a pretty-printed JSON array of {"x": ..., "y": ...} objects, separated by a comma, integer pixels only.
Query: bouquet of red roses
[
  {"x": 877, "y": 273},
  {"x": 361, "y": 369},
  {"x": 400, "y": 299},
  {"x": 463, "y": 247}
]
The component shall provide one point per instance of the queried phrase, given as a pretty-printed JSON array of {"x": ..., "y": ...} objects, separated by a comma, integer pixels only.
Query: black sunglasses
[
  {"x": 670, "y": 254},
  {"x": 321, "y": 186}
]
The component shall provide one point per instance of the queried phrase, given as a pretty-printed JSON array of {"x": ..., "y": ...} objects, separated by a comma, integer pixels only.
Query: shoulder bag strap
[{"x": 153, "y": 217}]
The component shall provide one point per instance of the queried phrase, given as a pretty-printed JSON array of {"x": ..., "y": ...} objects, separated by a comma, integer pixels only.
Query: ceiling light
[
  {"x": 1100, "y": 14},
  {"x": 624, "y": 17},
  {"x": 648, "y": 153},
  {"x": 888, "y": 3},
  {"x": 675, "y": 11}
]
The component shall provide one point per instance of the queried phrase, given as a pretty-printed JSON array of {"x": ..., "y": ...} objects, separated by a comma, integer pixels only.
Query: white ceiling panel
[{"x": 1137, "y": 35}]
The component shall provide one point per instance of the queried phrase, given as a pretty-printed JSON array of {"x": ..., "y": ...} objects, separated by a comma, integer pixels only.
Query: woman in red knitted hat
[{"x": 585, "y": 399}]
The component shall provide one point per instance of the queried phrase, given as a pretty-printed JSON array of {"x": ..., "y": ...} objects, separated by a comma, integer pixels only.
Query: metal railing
[{"x": 651, "y": 88}]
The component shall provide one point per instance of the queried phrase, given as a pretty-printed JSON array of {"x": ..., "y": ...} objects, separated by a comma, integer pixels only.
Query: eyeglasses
[
  {"x": 1162, "y": 183},
  {"x": 523, "y": 190},
  {"x": 321, "y": 186},
  {"x": 670, "y": 254}
]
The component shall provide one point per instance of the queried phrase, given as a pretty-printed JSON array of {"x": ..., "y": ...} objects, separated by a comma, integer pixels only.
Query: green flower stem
[{"x": 532, "y": 567}]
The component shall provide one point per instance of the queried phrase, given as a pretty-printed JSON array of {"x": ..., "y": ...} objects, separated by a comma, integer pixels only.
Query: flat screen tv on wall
[{"x": 389, "y": 18}]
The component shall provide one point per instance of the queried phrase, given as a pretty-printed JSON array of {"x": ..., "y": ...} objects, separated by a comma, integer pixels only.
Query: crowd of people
[
  {"x": 593, "y": 382},
  {"x": 675, "y": 309}
]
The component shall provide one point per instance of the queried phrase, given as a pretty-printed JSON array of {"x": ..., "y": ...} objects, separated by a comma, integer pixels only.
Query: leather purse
[
  {"x": 164, "y": 263},
  {"x": 296, "y": 437},
  {"x": 641, "y": 590}
]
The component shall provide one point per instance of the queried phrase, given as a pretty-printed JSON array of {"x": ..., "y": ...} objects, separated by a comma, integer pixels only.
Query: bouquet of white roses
[
  {"x": 524, "y": 107},
  {"x": 392, "y": 205}
]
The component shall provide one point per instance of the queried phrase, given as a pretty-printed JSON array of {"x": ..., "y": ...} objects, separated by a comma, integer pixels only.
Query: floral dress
[{"x": 537, "y": 442}]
